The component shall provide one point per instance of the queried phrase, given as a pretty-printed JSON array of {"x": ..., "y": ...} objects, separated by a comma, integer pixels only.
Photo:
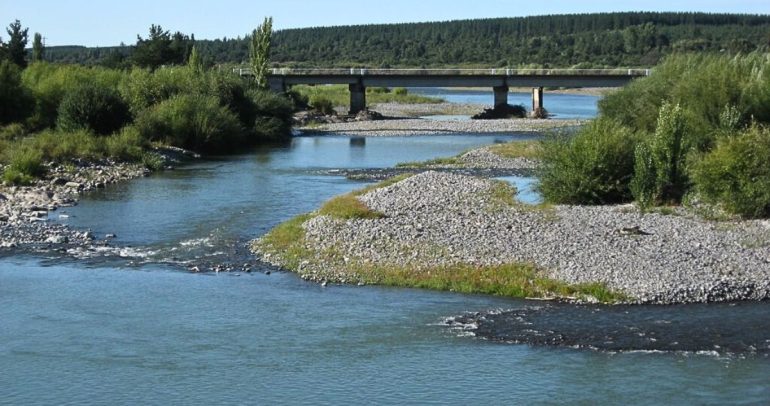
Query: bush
[
  {"x": 194, "y": 122},
  {"x": 736, "y": 173},
  {"x": 400, "y": 91},
  {"x": 15, "y": 100},
  {"x": 322, "y": 105},
  {"x": 92, "y": 107},
  {"x": 25, "y": 164},
  {"x": 660, "y": 160},
  {"x": 594, "y": 166},
  {"x": 50, "y": 83},
  {"x": 12, "y": 132}
]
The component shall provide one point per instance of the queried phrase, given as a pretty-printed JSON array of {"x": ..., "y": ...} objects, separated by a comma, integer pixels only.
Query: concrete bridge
[{"x": 500, "y": 80}]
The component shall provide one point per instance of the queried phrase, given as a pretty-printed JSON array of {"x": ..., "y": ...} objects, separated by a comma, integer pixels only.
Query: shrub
[
  {"x": 660, "y": 161},
  {"x": 736, "y": 173},
  {"x": 594, "y": 166},
  {"x": 93, "y": 107},
  {"x": 400, "y": 91},
  {"x": 15, "y": 100},
  {"x": 50, "y": 83},
  {"x": 194, "y": 122},
  {"x": 12, "y": 132},
  {"x": 127, "y": 145},
  {"x": 25, "y": 164},
  {"x": 322, "y": 105}
]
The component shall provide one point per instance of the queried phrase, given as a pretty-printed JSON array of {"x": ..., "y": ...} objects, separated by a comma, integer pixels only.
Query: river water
[{"x": 130, "y": 325}]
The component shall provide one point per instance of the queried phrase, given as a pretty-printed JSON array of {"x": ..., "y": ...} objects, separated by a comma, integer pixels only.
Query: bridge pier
[
  {"x": 537, "y": 102},
  {"x": 357, "y": 98},
  {"x": 501, "y": 95}
]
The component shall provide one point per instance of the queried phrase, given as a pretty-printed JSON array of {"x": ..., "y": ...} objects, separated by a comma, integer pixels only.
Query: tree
[
  {"x": 17, "y": 42},
  {"x": 38, "y": 49},
  {"x": 195, "y": 62},
  {"x": 259, "y": 52}
]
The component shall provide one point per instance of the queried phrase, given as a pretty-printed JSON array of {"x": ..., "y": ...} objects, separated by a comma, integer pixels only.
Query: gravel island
[{"x": 437, "y": 219}]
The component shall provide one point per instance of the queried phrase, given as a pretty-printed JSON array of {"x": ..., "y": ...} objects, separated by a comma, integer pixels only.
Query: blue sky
[{"x": 104, "y": 23}]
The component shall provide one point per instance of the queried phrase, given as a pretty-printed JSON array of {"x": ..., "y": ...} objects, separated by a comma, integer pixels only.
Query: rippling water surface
[{"x": 129, "y": 325}]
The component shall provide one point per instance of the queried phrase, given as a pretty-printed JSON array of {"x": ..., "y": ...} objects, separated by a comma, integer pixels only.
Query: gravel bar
[{"x": 439, "y": 218}]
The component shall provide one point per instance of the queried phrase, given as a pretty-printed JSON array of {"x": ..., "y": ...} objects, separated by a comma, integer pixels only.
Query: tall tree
[
  {"x": 259, "y": 51},
  {"x": 38, "y": 49},
  {"x": 194, "y": 61},
  {"x": 17, "y": 42},
  {"x": 153, "y": 51}
]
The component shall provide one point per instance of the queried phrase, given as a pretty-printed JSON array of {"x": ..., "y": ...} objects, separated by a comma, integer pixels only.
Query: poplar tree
[
  {"x": 259, "y": 52},
  {"x": 38, "y": 49}
]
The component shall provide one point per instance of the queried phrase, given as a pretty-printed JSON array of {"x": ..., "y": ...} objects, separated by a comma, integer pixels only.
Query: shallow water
[
  {"x": 131, "y": 326},
  {"x": 560, "y": 106}
]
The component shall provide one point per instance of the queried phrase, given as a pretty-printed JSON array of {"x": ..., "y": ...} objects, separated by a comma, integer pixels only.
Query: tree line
[{"x": 582, "y": 40}]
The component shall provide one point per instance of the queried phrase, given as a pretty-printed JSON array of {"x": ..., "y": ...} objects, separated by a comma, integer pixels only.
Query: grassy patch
[
  {"x": 348, "y": 207},
  {"x": 287, "y": 240},
  {"x": 339, "y": 95},
  {"x": 518, "y": 149},
  {"x": 430, "y": 163}
]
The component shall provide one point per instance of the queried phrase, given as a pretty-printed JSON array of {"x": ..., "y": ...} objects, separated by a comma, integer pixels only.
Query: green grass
[
  {"x": 382, "y": 184},
  {"x": 348, "y": 207},
  {"x": 339, "y": 95},
  {"x": 430, "y": 163},
  {"x": 518, "y": 149},
  {"x": 518, "y": 280}
]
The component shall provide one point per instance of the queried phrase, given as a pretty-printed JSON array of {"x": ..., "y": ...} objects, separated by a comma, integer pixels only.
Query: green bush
[
  {"x": 660, "y": 173},
  {"x": 50, "y": 83},
  {"x": 24, "y": 164},
  {"x": 12, "y": 132},
  {"x": 400, "y": 91},
  {"x": 15, "y": 100},
  {"x": 93, "y": 107},
  {"x": 736, "y": 174},
  {"x": 322, "y": 105},
  {"x": 127, "y": 145},
  {"x": 594, "y": 166},
  {"x": 194, "y": 122}
]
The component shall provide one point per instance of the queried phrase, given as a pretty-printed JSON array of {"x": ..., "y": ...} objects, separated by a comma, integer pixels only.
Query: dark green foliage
[
  {"x": 161, "y": 48},
  {"x": 37, "y": 48},
  {"x": 322, "y": 104},
  {"x": 273, "y": 115},
  {"x": 17, "y": 43},
  {"x": 736, "y": 174},
  {"x": 93, "y": 107},
  {"x": 194, "y": 122},
  {"x": 581, "y": 41},
  {"x": 16, "y": 103},
  {"x": 594, "y": 166}
]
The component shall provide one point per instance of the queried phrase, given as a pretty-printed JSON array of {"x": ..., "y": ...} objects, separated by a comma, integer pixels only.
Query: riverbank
[
  {"x": 438, "y": 221},
  {"x": 25, "y": 210}
]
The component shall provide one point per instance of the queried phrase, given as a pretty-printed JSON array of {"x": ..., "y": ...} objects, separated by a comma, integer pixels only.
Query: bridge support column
[
  {"x": 537, "y": 102},
  {"x": 501, "y": 95},
  {"x": 357, "y": 98}
]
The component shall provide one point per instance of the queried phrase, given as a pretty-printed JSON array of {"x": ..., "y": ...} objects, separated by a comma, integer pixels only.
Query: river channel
[{"x": 131, "y": 325}]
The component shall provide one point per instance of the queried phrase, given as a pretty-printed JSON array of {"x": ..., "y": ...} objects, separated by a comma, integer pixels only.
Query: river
[{"x": 131, "y": 325}]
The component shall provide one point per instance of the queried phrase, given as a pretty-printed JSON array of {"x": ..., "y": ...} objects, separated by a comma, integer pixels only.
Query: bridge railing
[{"x": 451, "y": 72}]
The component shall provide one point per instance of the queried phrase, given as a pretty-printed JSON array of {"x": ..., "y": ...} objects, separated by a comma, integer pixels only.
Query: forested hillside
[{"x": 586, "y": 40}]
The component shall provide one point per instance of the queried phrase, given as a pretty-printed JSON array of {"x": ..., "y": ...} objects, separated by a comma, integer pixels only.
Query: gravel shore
[
  {"x": 404, "y": 123},
  {"x": 416, "y": 126},
  {"x": 24, "y": 210},
  {"x": 436, "y": 218}
]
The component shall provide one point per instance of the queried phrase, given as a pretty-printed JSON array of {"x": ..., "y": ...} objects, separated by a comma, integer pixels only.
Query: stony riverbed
[{"x": 435, "y": 218}]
